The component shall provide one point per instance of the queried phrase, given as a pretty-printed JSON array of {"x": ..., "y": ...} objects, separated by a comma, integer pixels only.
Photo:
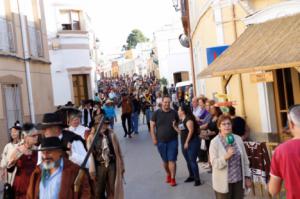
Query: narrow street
[{"x": 144, "y": 174}]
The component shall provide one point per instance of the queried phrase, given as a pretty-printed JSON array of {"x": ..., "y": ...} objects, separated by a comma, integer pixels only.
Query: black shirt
[
  {"x": 185, "y": 131},
  {"x": 164, "y": 125}
]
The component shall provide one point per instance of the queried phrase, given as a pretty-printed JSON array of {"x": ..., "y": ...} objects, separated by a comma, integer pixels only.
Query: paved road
[{"x": 144, "y": 174}]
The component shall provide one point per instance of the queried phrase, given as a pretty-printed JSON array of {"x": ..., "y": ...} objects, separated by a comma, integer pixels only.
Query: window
[
  {"x": 69, "y": 20},
  {"x": 12, "y": 103}
]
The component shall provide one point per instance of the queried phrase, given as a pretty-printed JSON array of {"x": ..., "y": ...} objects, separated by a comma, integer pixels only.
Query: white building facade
[
  {"x": 174, "y": 59},
  {"x": 72, "y": 51}
]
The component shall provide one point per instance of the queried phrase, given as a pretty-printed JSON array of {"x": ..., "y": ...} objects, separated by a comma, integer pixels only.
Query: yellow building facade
[
  {"x": 25, "y": 78},
  {"x": 221, "y": 23}
]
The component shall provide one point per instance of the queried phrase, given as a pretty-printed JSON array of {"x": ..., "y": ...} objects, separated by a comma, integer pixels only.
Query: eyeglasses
[{"x": 226, "y": 124}]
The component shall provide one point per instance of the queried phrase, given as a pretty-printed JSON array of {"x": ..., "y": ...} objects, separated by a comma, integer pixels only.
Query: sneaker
[
  {"x": 197, "y": 183},
  {"x": 130, "y": 136},
  {"x": 189, "y": 179},
  {"x": 168, "y": 179},
  {"x": 173, "y": 182}
]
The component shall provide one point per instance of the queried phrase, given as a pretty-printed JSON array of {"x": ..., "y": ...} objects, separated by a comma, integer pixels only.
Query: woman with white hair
[
  {"x": 76, "y": 127},
  {"x": 24, "y": 158}
]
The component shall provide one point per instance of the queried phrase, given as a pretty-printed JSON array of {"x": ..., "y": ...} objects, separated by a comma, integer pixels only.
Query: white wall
[
  {"x": 171, "y": 55},
  {"x": 63, "y": 59}
]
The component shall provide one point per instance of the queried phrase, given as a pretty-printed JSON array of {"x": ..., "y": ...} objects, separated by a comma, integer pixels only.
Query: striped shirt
[{"x": 234, "y": 163}]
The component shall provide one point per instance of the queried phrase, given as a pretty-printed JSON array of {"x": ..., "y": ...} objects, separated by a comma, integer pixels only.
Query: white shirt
[
  {"x": 77, "y": 156},
  {"x": 197, "y": 111},
  {"x": 79, "y": 130},
  {"x": 158, "y": 101}
]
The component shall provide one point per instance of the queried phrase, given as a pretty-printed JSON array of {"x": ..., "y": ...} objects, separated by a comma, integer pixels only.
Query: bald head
[{"x": 294, "y": 115}]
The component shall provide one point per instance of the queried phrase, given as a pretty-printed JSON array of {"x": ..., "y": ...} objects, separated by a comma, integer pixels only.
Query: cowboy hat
[
  {"x": 108, "y": 101},
  {"x": 52, "y": 143},
  {"x": 50, "y": 120}
]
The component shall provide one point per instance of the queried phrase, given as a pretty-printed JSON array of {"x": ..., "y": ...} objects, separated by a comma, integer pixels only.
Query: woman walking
[
  {"x": 230, "y": 174},
  {"x": 190, "y": 143},
  {"x": 15, "y": 137},
  {"x": 24, "y": 158}
]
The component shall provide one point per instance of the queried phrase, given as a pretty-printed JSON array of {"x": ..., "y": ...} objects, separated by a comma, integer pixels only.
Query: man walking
[
  {"x": 109, "y": 165},
  {"x": 54, "y": 177},
  {"x": 166, "y": 138},
  {"x": 126, "y": 105},
  {"x": 286, "y": 160}
]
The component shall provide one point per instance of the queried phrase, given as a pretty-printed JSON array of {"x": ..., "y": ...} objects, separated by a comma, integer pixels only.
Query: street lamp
[{"x": 176, "y": 5}]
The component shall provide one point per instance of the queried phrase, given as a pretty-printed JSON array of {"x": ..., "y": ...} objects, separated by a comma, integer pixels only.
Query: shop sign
[{"x": 262, "y": 77}]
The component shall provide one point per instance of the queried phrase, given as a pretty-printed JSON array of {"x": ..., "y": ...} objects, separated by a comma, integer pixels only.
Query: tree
[
  {"x": 135, "y": 37},
  {"x": 163, "y": 81}
]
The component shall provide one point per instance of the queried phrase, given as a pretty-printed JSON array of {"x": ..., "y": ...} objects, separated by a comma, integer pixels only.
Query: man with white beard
[{"x": 54, "y": 177}]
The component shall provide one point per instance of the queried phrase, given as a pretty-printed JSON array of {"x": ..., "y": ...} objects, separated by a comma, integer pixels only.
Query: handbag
[
  {"x": 203, "y": 145},
  {"x": 8, "y": 192}
]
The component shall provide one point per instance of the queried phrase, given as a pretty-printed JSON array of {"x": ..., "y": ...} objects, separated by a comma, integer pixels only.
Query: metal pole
[{"x": 27, "y": 64}]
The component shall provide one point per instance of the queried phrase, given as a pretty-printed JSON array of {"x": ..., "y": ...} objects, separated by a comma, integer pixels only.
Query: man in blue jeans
[
  {"x": 135, "y": 114},
  {"x": 165, "y": 137}
]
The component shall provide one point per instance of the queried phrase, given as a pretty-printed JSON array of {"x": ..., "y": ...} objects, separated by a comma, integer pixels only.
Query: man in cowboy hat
[
  {"x": 108, "y": 170},
  {"x": 110, "y": 113},
  {"x": 54, "y": 127},
  {"x": 54, "y": 177}
]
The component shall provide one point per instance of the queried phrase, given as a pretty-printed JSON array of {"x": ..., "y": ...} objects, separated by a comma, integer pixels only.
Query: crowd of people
[{"x": 68, "y": 156}]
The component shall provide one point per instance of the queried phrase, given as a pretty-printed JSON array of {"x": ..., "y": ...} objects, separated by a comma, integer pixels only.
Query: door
[
  {"x": 12, "y": 104},
  {"x": 80, "y": 88},
  {"x": 287, "y": 93}
]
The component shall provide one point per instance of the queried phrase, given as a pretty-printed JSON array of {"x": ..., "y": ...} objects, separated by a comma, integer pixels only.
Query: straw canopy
[{"x": 266, "y": 46}]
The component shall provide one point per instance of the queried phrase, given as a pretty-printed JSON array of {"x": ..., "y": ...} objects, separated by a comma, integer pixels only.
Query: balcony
[
  {"x": 7, "y": 43},
  {"x": 35, "y": 42}
]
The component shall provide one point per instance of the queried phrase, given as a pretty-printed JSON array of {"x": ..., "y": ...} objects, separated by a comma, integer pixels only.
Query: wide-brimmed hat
[
  {"x": 69, "y": 103},
  {"x": 106, "y": 121},
  {"x": 50, "y": 120},
  {"x": 52, "y": 143},
  {"x": 108, "y": 101}
]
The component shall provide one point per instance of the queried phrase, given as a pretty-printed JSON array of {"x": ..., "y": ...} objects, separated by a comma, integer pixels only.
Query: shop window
[{"x": 69, "y": 20}]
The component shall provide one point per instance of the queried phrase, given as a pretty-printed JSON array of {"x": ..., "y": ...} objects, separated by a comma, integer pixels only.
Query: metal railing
[
  {"x": 7, "y": 42},
  {"x": 35, "y": 42}
]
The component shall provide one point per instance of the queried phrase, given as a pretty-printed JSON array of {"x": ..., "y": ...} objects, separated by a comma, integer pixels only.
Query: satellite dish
[{"x": 184, "y": 40}]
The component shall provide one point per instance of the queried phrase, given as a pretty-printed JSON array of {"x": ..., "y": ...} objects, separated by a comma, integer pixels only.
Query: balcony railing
[
  {"x": 7, "y": 43},
  {"x": 35, "y": 41}
]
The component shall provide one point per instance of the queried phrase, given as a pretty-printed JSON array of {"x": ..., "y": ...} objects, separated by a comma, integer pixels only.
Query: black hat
[
  {"x": 52, "y": 143},
  {"x": 106, "y": 121},
  {"x": 17, "y": 126},
  {"x": 69, "y": 103},
  {"x": 49, "y": 120}
]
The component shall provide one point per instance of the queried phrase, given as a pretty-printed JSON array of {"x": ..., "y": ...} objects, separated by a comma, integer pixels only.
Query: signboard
[
  {"x": 214, "y": 52},
  {"x": 261, "y": 77}
]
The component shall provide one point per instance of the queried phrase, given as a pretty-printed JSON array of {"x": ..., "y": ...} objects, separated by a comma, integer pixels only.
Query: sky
[{"x": 113, "y": 20}]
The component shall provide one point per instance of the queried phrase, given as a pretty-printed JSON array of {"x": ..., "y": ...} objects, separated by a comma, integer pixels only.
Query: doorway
[
  {"x": 181, "y": 76},
  {"x": 80, "y": 88},
  {"x": 287, "y": 93}
]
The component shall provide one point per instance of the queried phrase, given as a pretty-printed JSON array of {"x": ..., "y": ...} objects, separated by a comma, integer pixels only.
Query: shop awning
[{"x": 266, "y": 46}]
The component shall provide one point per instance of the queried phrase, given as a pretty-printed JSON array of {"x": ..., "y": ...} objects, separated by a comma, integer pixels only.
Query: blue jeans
[
  {"x": 168, "y": 150},
  {"x": 190, "y": 156},
  {"x": 135, "y": 122}
]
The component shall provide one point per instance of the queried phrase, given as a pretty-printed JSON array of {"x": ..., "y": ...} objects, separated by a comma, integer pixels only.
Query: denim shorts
[{"x": 168, "y": 150}]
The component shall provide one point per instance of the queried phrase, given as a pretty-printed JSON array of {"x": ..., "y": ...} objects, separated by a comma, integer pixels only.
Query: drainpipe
[
  {"x": 239, "y": 75},
  {"x": 27, "y": 64}
]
